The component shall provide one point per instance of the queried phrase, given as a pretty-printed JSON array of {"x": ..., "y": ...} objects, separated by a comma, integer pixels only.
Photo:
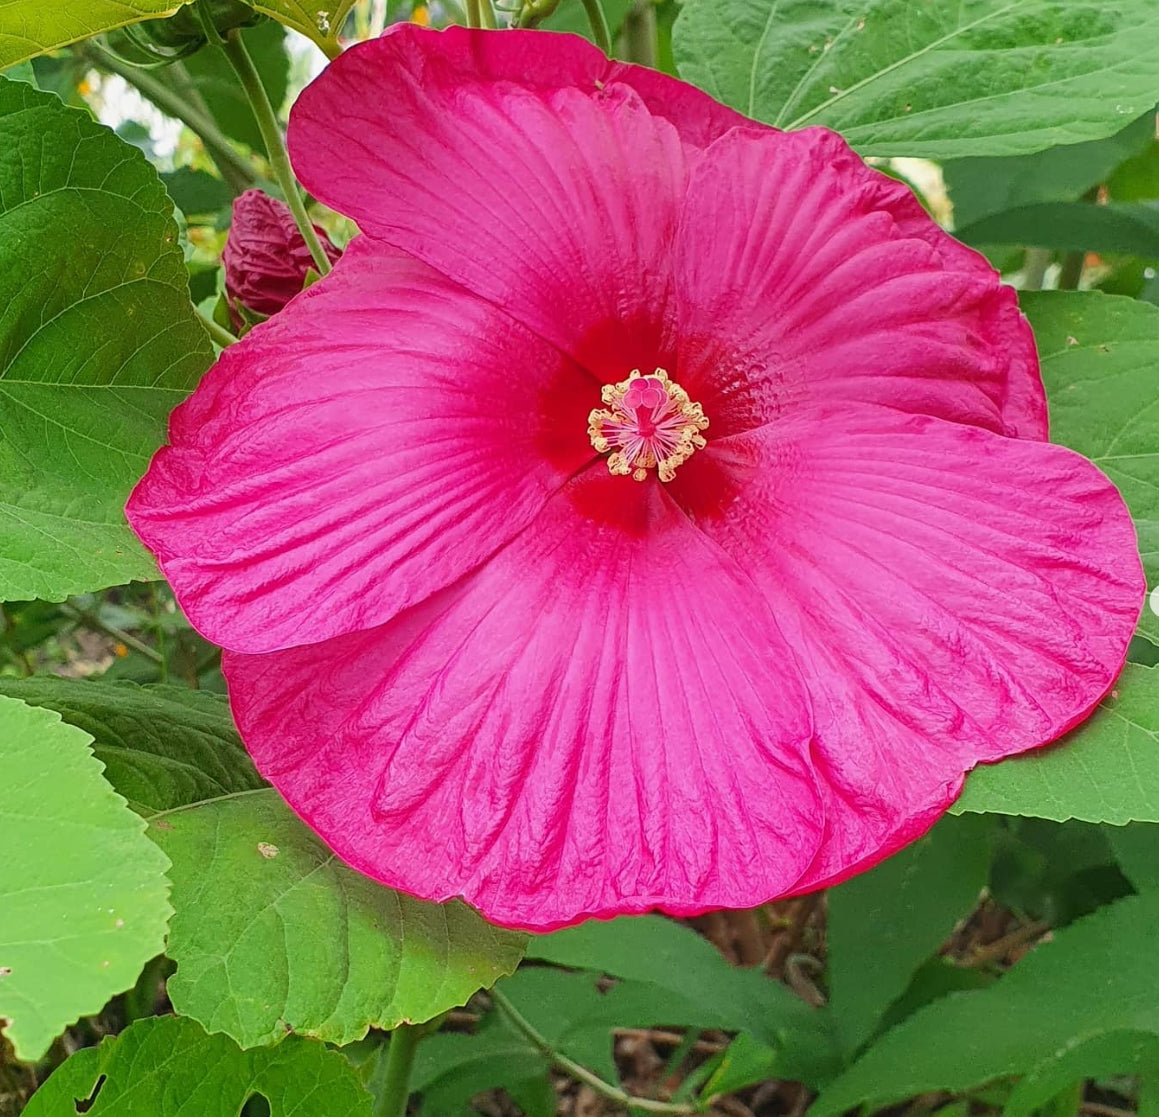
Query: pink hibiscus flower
[{"x": 652, "y": 509}]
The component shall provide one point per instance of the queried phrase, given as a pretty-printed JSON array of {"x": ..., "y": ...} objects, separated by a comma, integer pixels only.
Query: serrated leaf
[
  {"x": 168, "y": 1067},
  {"x": 98, "y": 343},
  {"x": 31, "y": 27},
  {"x": 320, "y": 20},
  {"x": 1107, "y": 770},
  {"x": 83, "y": 891},
  {"x": 272, "y": 933},
  {"x": 162, "y": 746},
  {"x": 1096, "y": 976},
  {"x": 1128, "y": 228},
  {"x": 989, "y": 77},
  {"x": 883, "y": 924}
]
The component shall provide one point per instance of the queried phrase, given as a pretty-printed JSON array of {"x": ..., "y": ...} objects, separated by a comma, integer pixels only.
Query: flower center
[{"x": 649, "y": 423}]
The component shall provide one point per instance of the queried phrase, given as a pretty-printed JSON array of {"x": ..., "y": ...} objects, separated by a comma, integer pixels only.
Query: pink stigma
[{"x": 649, "y": 423}]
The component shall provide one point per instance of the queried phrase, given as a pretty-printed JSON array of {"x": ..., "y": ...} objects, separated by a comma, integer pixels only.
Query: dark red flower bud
[{"x": 266, "y": 259}]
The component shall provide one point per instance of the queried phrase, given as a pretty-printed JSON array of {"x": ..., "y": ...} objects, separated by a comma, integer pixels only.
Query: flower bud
[
  {"x": 185, "y": 28},
  {"x": 266, "y": 258}
]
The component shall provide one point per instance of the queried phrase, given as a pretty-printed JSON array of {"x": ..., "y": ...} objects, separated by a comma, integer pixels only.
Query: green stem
[
  {"x": 91, "y": 620},
  {"x": 1037, "y": 261},
  {"x": 235, "y": 168},
  {"x": 259, "y": 101},
  {"x": 487, "y": 15},
  {"x": 400, "y": 1057},
  {"x": 474, "y": 14},
  {"x": 221, "y": 336},
  {"x": 599, "y": 22},
  {"x": 640, "y": 37},
  {"x": 581, "y": 1073}
]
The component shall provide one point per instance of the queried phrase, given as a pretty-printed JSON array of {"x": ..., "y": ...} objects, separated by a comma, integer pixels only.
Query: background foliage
[{"x": 173, "y": 940}]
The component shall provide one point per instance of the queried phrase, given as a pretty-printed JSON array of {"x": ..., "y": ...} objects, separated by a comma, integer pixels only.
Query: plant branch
[
  {"x": 581, "y": 1073},
  {"x": 639, "y": 35},
  {"x": 235, "y": 168},
  {"x": 599, "y": 22},
  {"x": 400, "y": 1055},
  {"x": 221, "y": 336},
  {"x": 91, "y": 620},
  {"x": 259, "y": 100}
]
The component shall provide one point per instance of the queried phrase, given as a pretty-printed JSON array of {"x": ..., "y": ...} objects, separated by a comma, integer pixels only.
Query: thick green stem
[
  {"x": 221, "y": 336},
  {"x": 400, "y": 1057},
  {"x": 474, "y": 15},
  {"x": 639, "y": 38},
  {"x": 487, "y": 15},
  {"x": 259, "y": 100},
  {"x": 581, "y": 1073},
  {"x": 237, "y": 171},
  {"x": 599, "y": 22}
]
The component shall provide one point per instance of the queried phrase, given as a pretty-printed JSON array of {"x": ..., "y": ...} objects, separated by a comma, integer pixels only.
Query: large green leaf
[
  {"x": 272, "y": 933},
  {"x": 1128, "y": 228},
  {"x": 943, "y": 80},
  {"x": 980, "y": 187},
  {"x": 98, "y": 343},
  {"x": 883, "y": 924},
  {"x": 162, "y": 746},
  {"x": 169, "y": 1067},
  {"x": 1107, "y": 770},
  {"x": 1096, "y": 976},
  {"x": 320, "y": 20},
  {"x": 30, "y": 27},
  {"x": 82, "y": 891},
  {"x": 1098, "y": 356}
]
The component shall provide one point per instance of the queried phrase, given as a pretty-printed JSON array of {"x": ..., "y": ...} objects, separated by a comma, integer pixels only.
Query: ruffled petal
[
  {"x": 603, "y": 719},
  {"x": 556, "y": 203},
  {"x": 954, "y": 596},
  {"x": 369, "y": 445},
  {"x": 563, "y": 61},
  {"x": 804, "y": 275}
]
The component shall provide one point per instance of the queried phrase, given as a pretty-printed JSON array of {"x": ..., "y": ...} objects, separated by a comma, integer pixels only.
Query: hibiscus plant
[{"x": 579, "y": 556}]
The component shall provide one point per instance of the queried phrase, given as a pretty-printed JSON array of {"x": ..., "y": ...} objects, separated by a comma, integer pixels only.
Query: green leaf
[
  {"x": 168, "y": 1067},
  {"x": 1136, "y": 848},
  {"x": 1098, "y": 363},
  {"x": 674, "y": 958},
  {"x": 450, "y": 1069},
  {"x": 1096, "y": 976},
  {"x": 272, "y": 933},
  {"x": 197, "y": 193},
  {"x": 980, "y": 187},
  {"x": 1100, "y": 1055},
  {"x": 992, "y": 77},
  {"x": 215, "y": 80},
  {"x": 883, "y": 924},
  {"x": 30, "y": 27},
  {"x": 1128, "y": 228},
  {"x": 83, "y": 891},
  {"x": 1106, "y": 770},
  {"x": 320, "y": 20},
  {"x": 162, "y": 746},
  {"x": 98, "y": 343}
]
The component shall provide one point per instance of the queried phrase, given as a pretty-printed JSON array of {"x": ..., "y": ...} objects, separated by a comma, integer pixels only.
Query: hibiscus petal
[
  {"x": 562, "y": 61},
  {"x": 803, "y": 274},
  {"x": 954, "y": 596},
  {"x": 558, "y": 204},
  {"x": 603, "y": 719},
  {"x": 361, "y": 450}
]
